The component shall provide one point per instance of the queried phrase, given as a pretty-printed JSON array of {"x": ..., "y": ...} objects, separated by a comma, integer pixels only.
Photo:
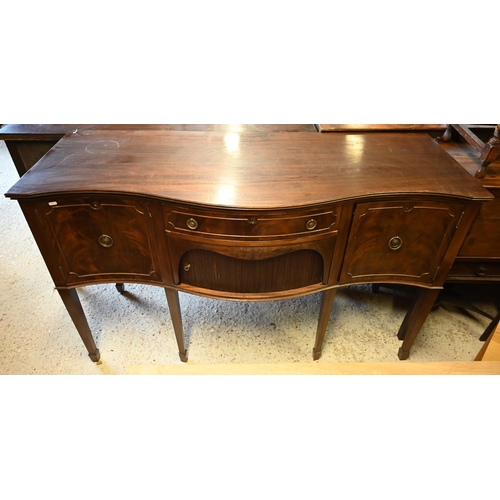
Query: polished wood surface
[
  {"x": 377, "y": 128},
  {"x": 38, "y": 132},
  {"x": 28, "y": 143},
  {"x": 249, "y": 216},
  {"x": 251, "y": 171}
]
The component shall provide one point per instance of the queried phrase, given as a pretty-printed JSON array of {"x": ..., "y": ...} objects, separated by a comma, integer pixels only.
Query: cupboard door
[
  {"x": 213, "y": 271},
  {"x": 102, "y": 240},
  {"x": 399, "y": 241}
]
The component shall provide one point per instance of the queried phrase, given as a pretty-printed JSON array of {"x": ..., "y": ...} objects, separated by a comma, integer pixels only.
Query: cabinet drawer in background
[
  {"x": 251, "y": 225},
  {"x": 475, "y": 270},
  {"x": 483, "y": 239}
]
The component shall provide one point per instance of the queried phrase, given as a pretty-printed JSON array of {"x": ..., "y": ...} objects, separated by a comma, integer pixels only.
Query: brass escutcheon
[
  {"x": 191, "y": 223},
  {"x": 311, "y": 224},
  {"x": 106, "y": 241},
  {"x": 395, "y": 243}
]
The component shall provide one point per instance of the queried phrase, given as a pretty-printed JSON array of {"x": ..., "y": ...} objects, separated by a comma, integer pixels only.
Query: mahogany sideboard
[{"x": 248, "y": 216}]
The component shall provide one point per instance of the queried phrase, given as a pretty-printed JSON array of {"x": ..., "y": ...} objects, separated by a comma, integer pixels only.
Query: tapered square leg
[
  {"x": 324, "y": 316},
  {"x": 175, "y": 314},
  {"x": 75, "y": 310},
  {"x": 414, "y": 319}
]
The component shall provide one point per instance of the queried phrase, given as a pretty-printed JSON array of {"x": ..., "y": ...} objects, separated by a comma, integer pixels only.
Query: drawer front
[
  {"x": 483, "y": 239},
  {"x": 475, "y": 270},
  {"x": 399, "y": 242},
  {"x": 250, "y": 225},
  {"x": 102, "y": 239}
]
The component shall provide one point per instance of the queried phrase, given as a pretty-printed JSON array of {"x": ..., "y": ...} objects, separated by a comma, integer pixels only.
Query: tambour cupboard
[{"x": 250, "y": 216}]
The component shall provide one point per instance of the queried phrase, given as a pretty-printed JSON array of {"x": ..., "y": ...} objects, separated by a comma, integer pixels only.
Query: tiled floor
[{"x": 37, "y": 335}]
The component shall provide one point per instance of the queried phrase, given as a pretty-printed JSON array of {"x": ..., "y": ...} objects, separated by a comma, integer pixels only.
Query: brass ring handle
[
  {"x": 395, "y": 243},
  {"x": 106, "y": 241},
  {"x": 191, "y": 223},
  {"x": 187, "y": 267},
  {"x": 481, "y": 271},
  {"x": 311, "y": 224}
]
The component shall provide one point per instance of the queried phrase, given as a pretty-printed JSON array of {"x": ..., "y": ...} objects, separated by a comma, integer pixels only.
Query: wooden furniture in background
[
  {"x": 491, "y": 348},
  {"x": 248, "y": 216},
  {"x": 478, "y": 261},
  {"x": 488, "y": 152},
  {"x": 379, "y": 128}
]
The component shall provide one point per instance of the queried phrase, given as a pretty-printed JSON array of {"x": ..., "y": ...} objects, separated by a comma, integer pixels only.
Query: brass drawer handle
[
  {"x": 311, "y": 224},
  {"x": 395, "y": 243},
  {"x": 106, "y": 241},
  {"x": 481, "y": 271},
  {"x": 191, "y": 223}
]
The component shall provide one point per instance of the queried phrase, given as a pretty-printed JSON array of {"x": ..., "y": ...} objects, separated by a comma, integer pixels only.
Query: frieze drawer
[{"x": 251, "y": 225}]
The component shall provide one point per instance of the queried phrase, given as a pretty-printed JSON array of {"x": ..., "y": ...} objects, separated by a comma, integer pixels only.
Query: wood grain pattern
[
  {"x": 202, "y": 168},
  {"x": 377, "y": 128},
  {"x": 213, "y": 271},
  {"x": 77, "y": 229},
  {"x": 38, "y": 132},
  {"x": 424, "y": 230}
]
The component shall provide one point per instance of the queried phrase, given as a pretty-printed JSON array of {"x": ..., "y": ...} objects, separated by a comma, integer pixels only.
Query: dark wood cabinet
[
  {"x": 478, "y": 260},
  {"x": 282, "y": 215}
]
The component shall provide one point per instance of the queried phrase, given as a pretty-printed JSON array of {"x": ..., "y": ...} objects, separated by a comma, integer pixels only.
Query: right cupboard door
[{"x": 399, "y": 241}]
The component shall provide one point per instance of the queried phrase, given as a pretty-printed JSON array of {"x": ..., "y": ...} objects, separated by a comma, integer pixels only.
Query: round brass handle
[
  {"x": 395, "y": 243},
  {"x": 481, "y": 271},
  {"x": 106, "y": 241},
  {"x": 191, "y": 223},
  {"x": 311, "y": 224},
  {"x": 187, "y": 267}
]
